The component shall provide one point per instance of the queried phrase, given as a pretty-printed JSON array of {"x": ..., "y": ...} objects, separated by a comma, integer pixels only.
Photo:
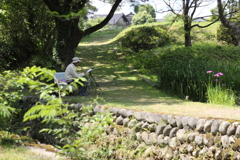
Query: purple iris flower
[
  {"x": 218, "y": 74},
  {"x": 209, "y": 71}
]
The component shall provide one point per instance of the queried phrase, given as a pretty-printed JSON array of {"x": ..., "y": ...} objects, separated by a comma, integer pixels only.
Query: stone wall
[{"x": 179, "y": 137}]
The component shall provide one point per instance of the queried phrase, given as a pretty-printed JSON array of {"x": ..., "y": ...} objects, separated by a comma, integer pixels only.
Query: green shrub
[
  {"x": 142, "y": 18},
  {"x": 226, "y": 35},
  {"x": 145, "y": 37},
  {"x": 144, "y": 60},
  {"x": 26, "y": 36}
]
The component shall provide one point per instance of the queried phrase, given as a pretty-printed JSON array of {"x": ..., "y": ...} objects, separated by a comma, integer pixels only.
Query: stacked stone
[{"x": 181, "y": 137}]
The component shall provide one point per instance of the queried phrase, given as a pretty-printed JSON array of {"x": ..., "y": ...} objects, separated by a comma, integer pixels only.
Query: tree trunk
[
  {"x": 231, "y": 25},
  {"x": 68, "y": 38},
  {"x": 187, "y": 23},
  {"x": 187, "y": 35}
]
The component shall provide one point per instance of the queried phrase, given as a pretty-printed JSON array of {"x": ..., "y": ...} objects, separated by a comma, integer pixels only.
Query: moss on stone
[{"x": 236, "y": 145}]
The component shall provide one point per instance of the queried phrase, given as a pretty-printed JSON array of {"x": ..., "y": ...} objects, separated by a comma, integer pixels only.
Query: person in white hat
[{"x": 71, "y": 73}]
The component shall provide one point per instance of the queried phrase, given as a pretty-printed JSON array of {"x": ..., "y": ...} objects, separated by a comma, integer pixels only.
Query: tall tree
[
  {"x": 234, "y": 26},
  {"x": 68, "y": 14},
  {"x": 187, "y": 10},
  {"x": 142, "y": 18},
  {"x": 145, "y": 14},
  {"x": 148, "y": 8}
]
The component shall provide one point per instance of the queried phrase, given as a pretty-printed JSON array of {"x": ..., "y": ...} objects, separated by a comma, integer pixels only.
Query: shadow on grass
[
  {"x": 123, "y": 88},
  {"x": 120, "y": 85}
]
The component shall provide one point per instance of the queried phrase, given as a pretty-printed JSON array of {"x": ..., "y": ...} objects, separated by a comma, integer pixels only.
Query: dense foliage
[
  {"x": 145, "y": 14},
  {"x": 148, "y": 8},
  {"x": 27, "y": 34},
  {"x": 145, "y": 37},
  {"x": 226, "y": 35},
  {"x": 142, "y": 18},
  {"x": 74, "y": 128}
]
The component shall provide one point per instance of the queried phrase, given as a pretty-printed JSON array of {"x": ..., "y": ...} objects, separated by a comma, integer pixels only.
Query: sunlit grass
[
  {"x": 101, "y": 37},
  {"x": 123, "y": 88},
  {"x": 219, "y": 95},
  {"x": 20, "y": 153}
]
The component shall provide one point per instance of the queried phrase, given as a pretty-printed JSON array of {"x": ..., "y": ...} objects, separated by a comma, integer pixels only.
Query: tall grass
[
  {"x": 182, "y": 71},
  {"x": 218, "y": 91},
  {"x": 220, "y": 95}
]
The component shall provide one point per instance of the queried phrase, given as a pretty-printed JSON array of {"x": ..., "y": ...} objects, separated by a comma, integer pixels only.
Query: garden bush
[
  {"x": 144, "y": 60},
  {"x": 7, "y": 57},
  {"x": 145, "y": 37},
  {"x": 226, "y": 35}
]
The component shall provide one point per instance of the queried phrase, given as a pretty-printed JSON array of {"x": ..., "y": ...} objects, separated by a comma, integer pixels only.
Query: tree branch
[
  {"x": 105, "y": 21},
  {"x": 197, "y": 25},
  {"x": 171, "y": 9},
  {"x": 194, "y": 8},
  {"x": 226, "y": 22}
]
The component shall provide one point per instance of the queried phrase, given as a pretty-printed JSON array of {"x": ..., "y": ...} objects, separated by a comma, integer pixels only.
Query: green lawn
[{"x": 123, "y": 88}]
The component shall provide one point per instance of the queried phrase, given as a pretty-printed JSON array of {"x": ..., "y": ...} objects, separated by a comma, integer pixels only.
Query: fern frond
[
  {"x": 33, "y": 111},
  {"x": 48, "y": 114},
  {"x": 6, "y": 111}
]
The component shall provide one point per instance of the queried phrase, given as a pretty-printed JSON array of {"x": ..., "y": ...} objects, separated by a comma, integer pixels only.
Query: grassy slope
[{"x": 123, "y": 88}]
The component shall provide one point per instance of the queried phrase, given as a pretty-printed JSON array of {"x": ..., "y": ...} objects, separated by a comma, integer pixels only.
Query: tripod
[{"x": 90, "y": 74}]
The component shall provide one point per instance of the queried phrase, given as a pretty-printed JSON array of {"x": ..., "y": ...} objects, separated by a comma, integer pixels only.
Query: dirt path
[{"x": 44, "y": 154}]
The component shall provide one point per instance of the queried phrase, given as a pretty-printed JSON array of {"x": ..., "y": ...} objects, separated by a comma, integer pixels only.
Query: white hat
[{"x": 75, "y": 60}]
